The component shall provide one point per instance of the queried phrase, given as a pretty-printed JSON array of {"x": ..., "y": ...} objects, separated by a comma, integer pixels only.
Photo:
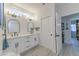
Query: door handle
[
  {"x": 50, "y": 34},
  {"x": 57, "y": 35}
]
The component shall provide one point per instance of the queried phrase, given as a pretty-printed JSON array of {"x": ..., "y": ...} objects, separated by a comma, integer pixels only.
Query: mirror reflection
[
  {"x": 13, "y": 26},
  {"x": 30, "y": 26}
]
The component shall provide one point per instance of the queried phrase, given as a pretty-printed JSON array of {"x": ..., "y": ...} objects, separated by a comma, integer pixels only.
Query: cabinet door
[
  {"x": 32, "y": 43},
  {"x": 34, "y": 40},
  {"x": 11, "y": 45},
  {"x": 27, "y": 43},
  {"x": 20, "y": 43}
]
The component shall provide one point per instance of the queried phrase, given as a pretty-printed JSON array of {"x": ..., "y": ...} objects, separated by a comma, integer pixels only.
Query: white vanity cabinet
[
  {"x": 19, "y": 44},
  {"x": 11, "y": 45},
  {"x": 29, "y": 42},
  {"x": 34, "y": 41},
  {"x": 24, "y": 43}
]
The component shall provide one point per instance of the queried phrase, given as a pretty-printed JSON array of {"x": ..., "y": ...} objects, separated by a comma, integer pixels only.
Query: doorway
[
  {"x": 74, "y": 32},
  {"x": 70, "y": 31},
  {"x": 73, "y": 29}
]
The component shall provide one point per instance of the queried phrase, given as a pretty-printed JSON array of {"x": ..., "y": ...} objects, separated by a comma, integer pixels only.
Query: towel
[{"x": 5, "y": 43}]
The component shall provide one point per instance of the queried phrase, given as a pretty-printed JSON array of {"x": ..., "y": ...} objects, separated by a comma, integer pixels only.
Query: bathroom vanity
[{"x": 23, "y": 43}]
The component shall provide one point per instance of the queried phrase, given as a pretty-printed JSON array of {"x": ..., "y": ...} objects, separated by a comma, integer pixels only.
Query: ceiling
[{"x": 32, "y": 7}]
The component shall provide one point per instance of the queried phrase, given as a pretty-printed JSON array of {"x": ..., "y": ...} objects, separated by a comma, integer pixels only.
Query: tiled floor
[
  {"x": 71, "y": 49},
  {"x": 38, "y": 51}
]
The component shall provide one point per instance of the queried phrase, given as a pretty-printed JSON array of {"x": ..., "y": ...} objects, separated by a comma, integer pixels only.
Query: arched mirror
[
  {"x": 30, "y": 27},
  {"x": 13, "y": 26}
]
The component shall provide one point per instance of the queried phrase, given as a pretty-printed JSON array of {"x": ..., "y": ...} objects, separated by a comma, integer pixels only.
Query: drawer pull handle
[
  {"x": 27, "y": 41},
  {"x": 16, "y": 45},
  {"x": 35, "y": 39},
  {"x": 28, "y": 37},
  {"x": 27, "y": 46}
]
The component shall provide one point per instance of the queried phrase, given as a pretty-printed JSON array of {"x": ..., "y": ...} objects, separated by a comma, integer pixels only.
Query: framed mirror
[
  {"x": 30, "y": 27},
  {"x": 13, "y": 26}
]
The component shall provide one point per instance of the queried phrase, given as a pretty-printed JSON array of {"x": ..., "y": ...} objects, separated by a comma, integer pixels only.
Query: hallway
[{"x": 71, "y": 49}]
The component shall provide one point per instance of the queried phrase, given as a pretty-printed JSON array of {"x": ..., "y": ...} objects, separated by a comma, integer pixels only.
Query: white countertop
[{"x": 20, "y": 35}]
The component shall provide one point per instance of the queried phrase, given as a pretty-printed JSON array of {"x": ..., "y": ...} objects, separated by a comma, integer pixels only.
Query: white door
[
  {"x": 58, "y": 34},
  {"x": 46, "y": 33}
]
